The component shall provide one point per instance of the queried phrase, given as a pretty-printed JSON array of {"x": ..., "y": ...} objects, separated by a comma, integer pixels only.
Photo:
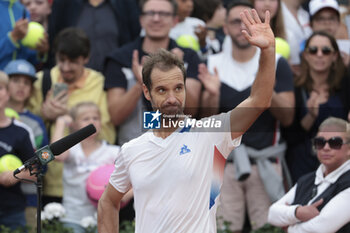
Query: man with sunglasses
[{"x": 320, "y": 200}]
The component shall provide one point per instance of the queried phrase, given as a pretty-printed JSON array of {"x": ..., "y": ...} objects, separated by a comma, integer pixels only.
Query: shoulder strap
[
  {"x": 341, "y": 184},
  {"x": 46, "y": 85}
]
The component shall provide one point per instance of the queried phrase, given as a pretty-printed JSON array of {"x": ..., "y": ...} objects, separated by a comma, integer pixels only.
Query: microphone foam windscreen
[{"x": 67, "y": 142}]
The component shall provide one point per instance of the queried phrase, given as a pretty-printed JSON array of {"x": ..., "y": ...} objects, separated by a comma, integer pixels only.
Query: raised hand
[
  {"x": 178, "y": 52},
  {"x": 55, "y": 106},
  {"x": 43, "y": 46},
  {"x": 211, "y": 82},
  {"x": 201, "y": 33},
  {"x": 314, "y": 102},
  {"x": 64, "y": 120},
  {"x": 136, "y": 66},
  {"x": 20, "y": 30},
  {"x": 257, "y": 33}
]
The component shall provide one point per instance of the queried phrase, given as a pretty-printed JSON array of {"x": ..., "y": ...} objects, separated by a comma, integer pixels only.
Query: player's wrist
[{"x": 269, "y": 49}]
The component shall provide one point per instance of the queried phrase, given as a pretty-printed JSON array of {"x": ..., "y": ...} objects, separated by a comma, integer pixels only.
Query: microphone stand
[{"x": 39, "y": 185}]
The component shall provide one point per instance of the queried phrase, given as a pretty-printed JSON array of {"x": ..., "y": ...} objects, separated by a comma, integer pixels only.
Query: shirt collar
[
  {"x": 172, "y": 44},
  {"x": 331, "y": 177},
  {"x": 77, "y": 84}
]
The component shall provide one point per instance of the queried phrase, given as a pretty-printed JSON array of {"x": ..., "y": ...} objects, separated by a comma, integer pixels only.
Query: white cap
[{"x": 317, "y": 5}]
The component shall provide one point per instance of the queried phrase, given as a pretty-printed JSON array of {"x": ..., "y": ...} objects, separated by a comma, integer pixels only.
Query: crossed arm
[{"x": 307, "y": 218}]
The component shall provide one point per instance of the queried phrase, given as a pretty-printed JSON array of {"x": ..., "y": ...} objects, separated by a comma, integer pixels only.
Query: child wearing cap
[
  {"x": 21, "y": 78},
  {"x": 14, "y": 139}
]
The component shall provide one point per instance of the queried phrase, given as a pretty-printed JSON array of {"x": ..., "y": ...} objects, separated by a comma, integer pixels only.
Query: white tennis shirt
[{"x": 176, "y": 180}]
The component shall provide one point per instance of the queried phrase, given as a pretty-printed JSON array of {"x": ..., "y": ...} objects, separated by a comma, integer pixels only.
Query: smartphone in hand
[
  {"x": 58, "y": 88},
  {"x": 24, "y": 13}
]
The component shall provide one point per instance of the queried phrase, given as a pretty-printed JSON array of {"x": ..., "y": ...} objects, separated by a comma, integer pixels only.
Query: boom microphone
[
  {"x": 67, "y": 142},
  {"x": 47, "y": 153}
]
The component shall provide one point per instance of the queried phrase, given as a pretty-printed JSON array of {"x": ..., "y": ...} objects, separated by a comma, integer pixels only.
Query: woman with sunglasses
[
  {"x": 322, "y": 90},
  {"x": 320, "y": 200}
]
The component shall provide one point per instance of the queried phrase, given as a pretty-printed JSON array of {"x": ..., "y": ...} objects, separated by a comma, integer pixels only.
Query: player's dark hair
[{"x": 162, "y": 60}]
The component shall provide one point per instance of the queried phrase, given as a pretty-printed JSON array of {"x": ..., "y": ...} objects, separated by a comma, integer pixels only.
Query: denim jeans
[{"x": 13, "y": 220}]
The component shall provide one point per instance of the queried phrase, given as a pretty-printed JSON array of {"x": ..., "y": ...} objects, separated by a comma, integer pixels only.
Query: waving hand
[{"x": 257, "y": 33}]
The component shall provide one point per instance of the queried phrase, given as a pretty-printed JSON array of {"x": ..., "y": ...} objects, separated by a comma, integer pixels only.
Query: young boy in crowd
[
  {"x": 80, "y": 160},
  {"x": 21, "y": 78},
  {"x": 74, "y": 83},
  {"x": 39, "y": 11},
  {"x": 14, "y": 139},
  {"x": 14, "y": 27}
]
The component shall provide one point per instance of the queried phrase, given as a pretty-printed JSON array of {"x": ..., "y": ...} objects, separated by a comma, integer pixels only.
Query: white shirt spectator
[
  {"x": 333, "y": 215},
  {"x": 297, "y": 30}
]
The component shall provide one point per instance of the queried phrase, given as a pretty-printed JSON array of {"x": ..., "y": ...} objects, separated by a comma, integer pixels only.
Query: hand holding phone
[
  {"x": 59, "y": 87},
  {"x": 24, "y": 13}
]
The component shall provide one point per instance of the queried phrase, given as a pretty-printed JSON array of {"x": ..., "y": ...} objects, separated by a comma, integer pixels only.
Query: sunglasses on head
[
  {"x": 314, "y": 49},
  {"x": 334, "y": 143}
]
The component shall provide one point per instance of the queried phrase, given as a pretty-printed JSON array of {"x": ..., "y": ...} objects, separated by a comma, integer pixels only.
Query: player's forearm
[
  {"x": 282, "y": 107},
  {"x": 261, "y": 92},
  {"x": 108, "y": 217}
]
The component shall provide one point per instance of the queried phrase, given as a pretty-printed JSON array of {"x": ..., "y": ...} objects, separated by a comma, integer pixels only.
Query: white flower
[
  {"x": 53, "y": 210},
  {"x": 88, "y": 221},
  {"x": 49, "y": 216},
  {"x": 43, "y": 216}
]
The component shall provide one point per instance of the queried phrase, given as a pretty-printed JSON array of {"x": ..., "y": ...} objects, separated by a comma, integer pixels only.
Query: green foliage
[
  {"x": 225, "y": 228},
  {"x": 127, "y": 227},
  {"x": 267, "y": 228},
  {"x": 91, "y": 229},
  {"x": 54, "y": 226},
  {"x": 4, "y": 229}
]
